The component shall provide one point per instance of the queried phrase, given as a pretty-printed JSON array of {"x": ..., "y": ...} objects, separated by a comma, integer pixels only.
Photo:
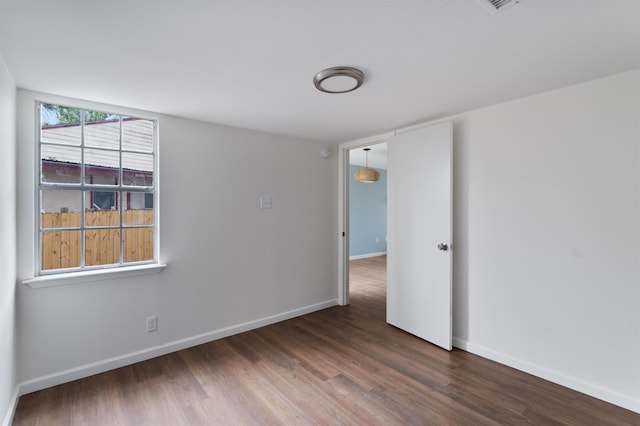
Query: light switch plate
[{"x": 265, "y": 202}]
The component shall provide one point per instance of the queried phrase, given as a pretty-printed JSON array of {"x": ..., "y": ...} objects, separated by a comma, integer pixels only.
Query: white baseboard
[
  {"x": 11, "y": 411},
  {"x": 570, "y": 382},
  {"x": 364, "y": 256},
  {"x": 93, "y": 368}
]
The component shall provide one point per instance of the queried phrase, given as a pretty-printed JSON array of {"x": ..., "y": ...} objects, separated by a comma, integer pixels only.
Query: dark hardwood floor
[{"x": 342, "y": 365}]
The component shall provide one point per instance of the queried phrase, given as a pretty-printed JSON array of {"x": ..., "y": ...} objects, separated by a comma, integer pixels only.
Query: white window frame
[{"x": 46, "y": 278}]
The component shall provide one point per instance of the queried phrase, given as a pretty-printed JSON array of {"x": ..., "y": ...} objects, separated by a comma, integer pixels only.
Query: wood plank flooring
[{"x": 342, "y": 365}]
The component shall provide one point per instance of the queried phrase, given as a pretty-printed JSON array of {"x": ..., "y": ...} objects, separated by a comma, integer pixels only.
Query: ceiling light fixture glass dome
[{"x": 338, "y": 79}]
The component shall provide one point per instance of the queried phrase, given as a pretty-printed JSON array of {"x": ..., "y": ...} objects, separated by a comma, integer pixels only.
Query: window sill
[{"x": 93, "y": 275}]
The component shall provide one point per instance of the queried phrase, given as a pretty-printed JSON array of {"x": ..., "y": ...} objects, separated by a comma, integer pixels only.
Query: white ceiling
[{"x": 250, "y": 63}]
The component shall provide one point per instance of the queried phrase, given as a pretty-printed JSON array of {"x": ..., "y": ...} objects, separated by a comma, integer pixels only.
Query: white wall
[
  {"x": 7, "y": 240},
  {"x": 547, "y": 235},
  {"x": 547, "y": 241},
  {"x": 230, "y": 263}
]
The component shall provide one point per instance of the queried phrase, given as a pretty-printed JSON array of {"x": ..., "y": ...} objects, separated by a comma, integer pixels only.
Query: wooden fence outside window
[{"x": 61, "y": 249}]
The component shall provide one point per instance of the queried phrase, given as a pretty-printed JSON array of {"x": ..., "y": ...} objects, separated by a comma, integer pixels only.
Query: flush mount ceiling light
[
  {"x": 366, "y": 175},
  {"x": 494, "y": 6},
  {"x": 338, "y": 79}
]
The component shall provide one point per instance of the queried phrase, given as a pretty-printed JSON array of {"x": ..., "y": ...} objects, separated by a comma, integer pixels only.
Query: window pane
[
  {"x": 97, "y": 217},
  {"x": 137, "y": 244},
  {"x": 59, "y": 250},
  {"x": 101, "y": 167},
  {"x": 137, "y": 134},
  {"x": 101, "y": 130},
  {"x": 101, "y": 247},
  {"x": 59, "y": 164},
  {"x": 60, "y": 208},
  {"x": 102, "y": 218},
  {"x": 137, "y": 169},
  {"x": 60, "y": 125},
  {"x": 135, "y": 211}
]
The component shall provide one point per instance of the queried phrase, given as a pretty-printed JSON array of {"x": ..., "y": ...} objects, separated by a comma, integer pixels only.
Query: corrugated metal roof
[{"x": 102, "y": 141}]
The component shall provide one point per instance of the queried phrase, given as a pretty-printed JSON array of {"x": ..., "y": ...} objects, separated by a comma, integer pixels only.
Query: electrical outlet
[{"x": 152, "y": 323}]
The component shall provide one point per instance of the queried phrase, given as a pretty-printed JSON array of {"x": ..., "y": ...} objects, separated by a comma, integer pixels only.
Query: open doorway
[
  {"x": 419, "y": 224},
  {"x": 367, "y": 212}
]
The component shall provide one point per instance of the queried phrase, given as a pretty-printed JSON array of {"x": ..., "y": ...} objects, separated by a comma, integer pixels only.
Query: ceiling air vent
[{"x": 494, "y": 6}]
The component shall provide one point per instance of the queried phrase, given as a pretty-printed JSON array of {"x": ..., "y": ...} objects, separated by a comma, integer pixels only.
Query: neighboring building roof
[{"x": 102, "y": 141}]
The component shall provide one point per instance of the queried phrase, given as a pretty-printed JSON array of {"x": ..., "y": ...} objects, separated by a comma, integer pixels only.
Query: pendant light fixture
[{"x": 366, "y": 175}]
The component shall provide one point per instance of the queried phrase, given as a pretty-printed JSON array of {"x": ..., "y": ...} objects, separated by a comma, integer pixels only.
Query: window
[
  {"x": 102, "y": 200},
  {"x": 97, "y": 185},
  {"x": 148, "y": 201}
]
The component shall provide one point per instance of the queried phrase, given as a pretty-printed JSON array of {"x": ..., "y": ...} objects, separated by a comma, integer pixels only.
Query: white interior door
[{"x": 419, "y": 233}]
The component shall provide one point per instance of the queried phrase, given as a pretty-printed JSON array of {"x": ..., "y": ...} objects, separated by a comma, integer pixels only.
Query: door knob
[{"x": 443, "y": 247}]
